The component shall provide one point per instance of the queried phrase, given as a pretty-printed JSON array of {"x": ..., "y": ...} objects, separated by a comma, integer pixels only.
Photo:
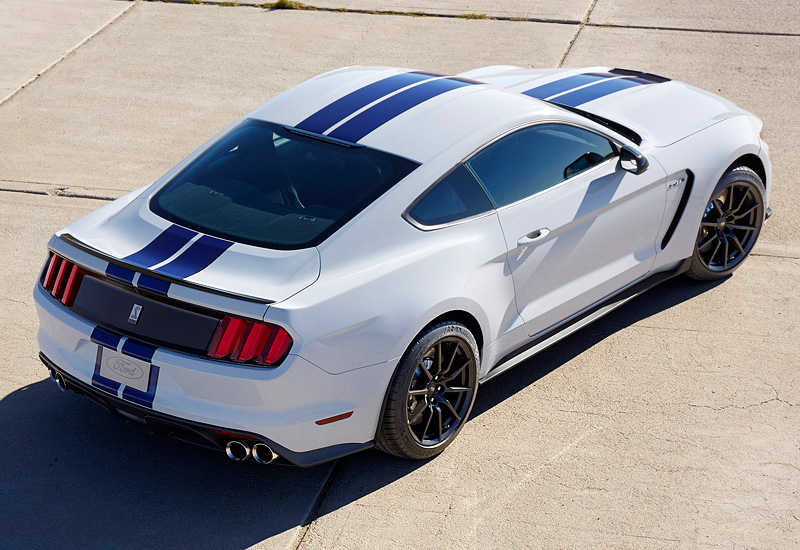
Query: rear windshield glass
[{"x": 266, "y": 186}]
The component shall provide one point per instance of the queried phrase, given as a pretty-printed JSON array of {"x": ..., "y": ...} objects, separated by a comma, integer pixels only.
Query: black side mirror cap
[{"x": 632, "y": 160}]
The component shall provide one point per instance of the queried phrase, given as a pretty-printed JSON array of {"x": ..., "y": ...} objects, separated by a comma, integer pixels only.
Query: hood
[
  {"x": 131, "y": 233},
  {"x": 661, "y": 110}
]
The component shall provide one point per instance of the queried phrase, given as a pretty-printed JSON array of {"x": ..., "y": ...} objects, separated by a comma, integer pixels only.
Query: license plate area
[{"x": 123, "y": 369}]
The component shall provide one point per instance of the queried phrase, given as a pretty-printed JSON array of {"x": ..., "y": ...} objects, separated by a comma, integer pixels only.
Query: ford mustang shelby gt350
[{"x": 343, "y": 266}]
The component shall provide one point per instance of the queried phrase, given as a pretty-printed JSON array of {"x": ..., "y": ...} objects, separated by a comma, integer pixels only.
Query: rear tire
[
  {"x": 431, "y": 394},
  {"x": 731, "y": 224}
]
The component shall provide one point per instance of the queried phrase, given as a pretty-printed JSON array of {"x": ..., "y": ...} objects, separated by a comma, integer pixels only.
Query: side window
[
  {"x": 456, "y": 197},
  {"x": 536, "y": 158}
]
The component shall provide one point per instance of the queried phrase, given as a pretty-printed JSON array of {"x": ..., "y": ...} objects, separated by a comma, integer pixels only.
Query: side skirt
[{"x": 547, "y": 338}]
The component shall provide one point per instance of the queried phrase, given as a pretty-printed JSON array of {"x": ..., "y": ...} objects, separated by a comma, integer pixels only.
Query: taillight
[
  {"x": 249, "y": 341},
  {"x": 63, "y": 279}
]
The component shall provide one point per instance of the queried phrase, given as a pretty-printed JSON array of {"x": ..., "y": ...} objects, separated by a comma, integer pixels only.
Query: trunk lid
[{"x": 137, "y": 237}]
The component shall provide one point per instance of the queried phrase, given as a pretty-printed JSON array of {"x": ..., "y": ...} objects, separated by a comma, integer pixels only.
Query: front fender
[{"x": 707, "y": 154}]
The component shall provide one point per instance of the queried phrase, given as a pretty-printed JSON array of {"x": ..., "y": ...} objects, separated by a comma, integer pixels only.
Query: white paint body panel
[{"x": 356, "y": 302}]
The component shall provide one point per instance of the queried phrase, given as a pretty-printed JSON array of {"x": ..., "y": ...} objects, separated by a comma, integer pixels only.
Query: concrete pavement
[
  {"x": 776, "y": 16},
  {"x": 82, "y": 126},
  {"x": 670, "y": 423},
  {"x": 34, "y": 34}
]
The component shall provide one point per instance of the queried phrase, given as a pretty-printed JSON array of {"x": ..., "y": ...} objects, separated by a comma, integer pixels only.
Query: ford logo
[{"x": 125, "y": 368}]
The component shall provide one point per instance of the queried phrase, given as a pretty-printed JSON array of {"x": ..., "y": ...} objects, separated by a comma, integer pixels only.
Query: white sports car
[{"x": 342, "y": 267}]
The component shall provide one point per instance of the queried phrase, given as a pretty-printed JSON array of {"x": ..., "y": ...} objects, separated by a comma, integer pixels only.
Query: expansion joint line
[
  {"x": 582, "y": 24},
  {"x": 69, "y": 52}
]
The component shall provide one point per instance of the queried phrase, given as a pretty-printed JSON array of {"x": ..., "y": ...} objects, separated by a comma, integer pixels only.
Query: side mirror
[{"x": 632, "y": 160}]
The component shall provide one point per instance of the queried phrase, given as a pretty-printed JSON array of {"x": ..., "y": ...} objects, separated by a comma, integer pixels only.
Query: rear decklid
[
  {"x": 660, "y": 110},
  {"x": 135, "y": 237}
]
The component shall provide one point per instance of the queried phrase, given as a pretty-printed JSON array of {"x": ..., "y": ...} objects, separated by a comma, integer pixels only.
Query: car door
[{"x": 577, "y": 227}]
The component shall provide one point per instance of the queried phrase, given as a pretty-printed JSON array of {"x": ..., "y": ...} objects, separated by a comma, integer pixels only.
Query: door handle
[{"x": 533, "y": 237}]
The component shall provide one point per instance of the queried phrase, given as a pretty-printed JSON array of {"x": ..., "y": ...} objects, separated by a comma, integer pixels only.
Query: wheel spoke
[
  {"x": 708, "y": 242},
  {"x": 728, "y": 197},
  {"x": 716, "y": 249},
  {"x": 416, "y": 411},
  {"x": 456, "y": 389},
  {"x": 717, "y": 204},
  {"x": 459, "y": 371},
  {"x": 450, "y": 362},
  {"x": 423, "y": 391},
  {"x": 425, "y": 369},
  {"x": 428, "y": 423},
  {"x": 452, "y": 410},
  {"x": 742, "y": 227},
  {"x": 440, "y": 422},
  {"x": 439, "y": 358},
  {"x": 725, "y": 261},
  {"x": 708, "y": 224},
  {"x": 738, "y": 244},
  {"x": 741, "y": 202},
  {"x": 746, "y": 212}
]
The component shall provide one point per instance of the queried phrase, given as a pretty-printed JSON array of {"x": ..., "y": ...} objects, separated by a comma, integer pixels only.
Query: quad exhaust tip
[
  {"x": 59, "y": 380},
  {"x": 236, "y": 450},
  {"x": 263, "y": 454}
]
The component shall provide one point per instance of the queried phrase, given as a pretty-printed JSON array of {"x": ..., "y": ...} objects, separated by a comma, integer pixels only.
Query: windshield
[{"x": 264, "y": 185}]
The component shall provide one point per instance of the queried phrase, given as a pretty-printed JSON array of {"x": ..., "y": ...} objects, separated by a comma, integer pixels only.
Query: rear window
[{"x": 266, "y": 186}]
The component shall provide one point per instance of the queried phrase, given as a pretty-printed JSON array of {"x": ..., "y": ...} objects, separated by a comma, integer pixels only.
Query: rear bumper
[
  {"x": 279, "y": 406},
  {"x": 195, "y": 432}
]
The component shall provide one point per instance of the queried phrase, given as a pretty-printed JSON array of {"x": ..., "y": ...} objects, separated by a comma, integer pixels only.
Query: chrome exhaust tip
[
  {"x": 52, "y": 374},
  {"x": 59, "y": 380},
  {"x": 236, "y": 450},
  {"x": 263, "y": 453}
]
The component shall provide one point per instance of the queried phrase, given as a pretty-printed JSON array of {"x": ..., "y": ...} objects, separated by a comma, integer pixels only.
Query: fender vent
[
  {"x": 639, "y": 74},
  {"x": 687, "y": 190}
]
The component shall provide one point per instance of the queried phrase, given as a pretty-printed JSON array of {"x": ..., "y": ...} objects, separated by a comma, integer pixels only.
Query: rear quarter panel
[{"x": 383, "y": 280}]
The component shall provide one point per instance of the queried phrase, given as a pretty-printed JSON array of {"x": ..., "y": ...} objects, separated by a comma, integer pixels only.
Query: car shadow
[
  {"x": 363, "y": 473},
  {"x": 662, "y": 297},
  {"x": 73, "y": 475}
]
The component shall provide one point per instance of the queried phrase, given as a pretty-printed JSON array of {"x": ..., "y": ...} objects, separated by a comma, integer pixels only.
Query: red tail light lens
[
  {"x": 63, "y": 279},
  {"x": 249, "y": 341}
]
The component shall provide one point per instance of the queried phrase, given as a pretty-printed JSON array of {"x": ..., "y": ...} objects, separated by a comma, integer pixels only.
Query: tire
[
  {"x": 730, "y": 226},
  {"x": 431, "y": 394}
]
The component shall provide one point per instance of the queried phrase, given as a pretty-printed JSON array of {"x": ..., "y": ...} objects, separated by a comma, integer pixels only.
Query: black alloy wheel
[
  {"x": 431, "y": 394},
  {"x": 440, "y": 393},
  {"x": 730, "y": 226}
]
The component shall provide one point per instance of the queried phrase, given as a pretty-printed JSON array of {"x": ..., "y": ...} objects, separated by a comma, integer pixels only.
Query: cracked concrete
[{"x": 672, "y": 422}]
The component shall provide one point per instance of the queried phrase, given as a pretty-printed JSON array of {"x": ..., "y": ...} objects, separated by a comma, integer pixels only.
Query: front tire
[
  {"x": 431, "y": 394},
  {"x": 730, "y": 226}
]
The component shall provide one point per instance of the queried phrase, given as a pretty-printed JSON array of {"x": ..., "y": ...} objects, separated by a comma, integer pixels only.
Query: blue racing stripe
[
  {"x": 585, "y": 95},
  {"x": 120, "y": 273},
  {"x": 162, "y": 247},
  {"x": 352, "y": 102},
  {"x": 138, "y": 350},
  {"x": 105, "y": 338},
  {"x": 197, "y": 257},
  {"x": 559, "y": 86},
  {"x": 145, "y": 399},
  {"x": 381, "y": 113},
  {"x": 157, "y": 286},
  {"x": 102, "y": 382}
]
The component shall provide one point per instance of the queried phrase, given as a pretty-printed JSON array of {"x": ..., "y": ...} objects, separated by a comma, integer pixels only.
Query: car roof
[{"x": 409, "y": 113}]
